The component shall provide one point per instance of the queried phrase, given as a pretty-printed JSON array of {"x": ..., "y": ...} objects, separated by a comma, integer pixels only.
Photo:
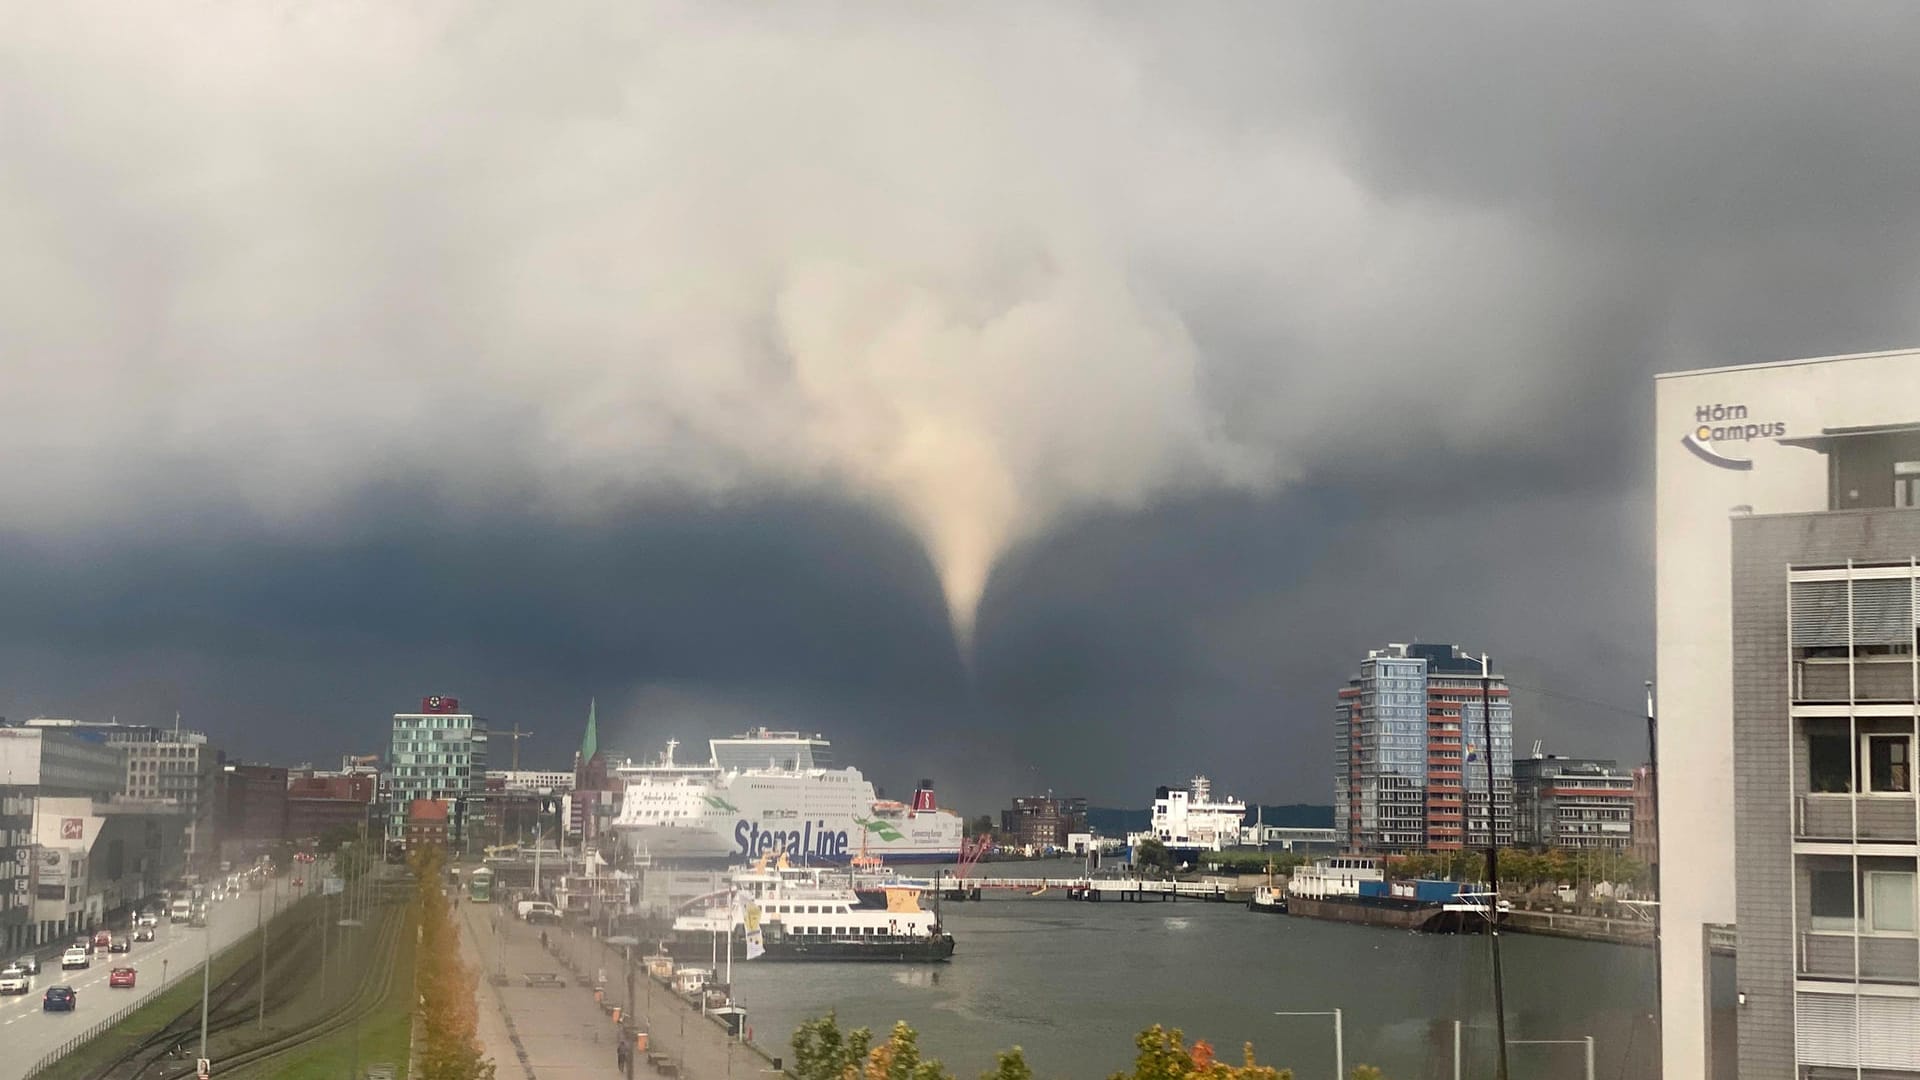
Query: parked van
[{"x": 537, "y": 911}]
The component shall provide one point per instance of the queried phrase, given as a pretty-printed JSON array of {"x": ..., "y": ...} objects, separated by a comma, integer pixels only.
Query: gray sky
[{"x": 1028, "y": 396}]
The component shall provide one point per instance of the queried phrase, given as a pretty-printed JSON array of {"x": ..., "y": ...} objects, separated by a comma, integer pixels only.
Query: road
[{"x": 28, "y": 1032}]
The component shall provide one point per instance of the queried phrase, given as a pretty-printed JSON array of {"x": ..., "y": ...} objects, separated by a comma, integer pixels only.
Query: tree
[
  {"x": 981, "y": 826},
  {"x": 1164, "y": 1055},
  {"x": 449, "y": 1048},
  {"x": 821, "y": 1051},
  {"x": 1151, "y": 854}
]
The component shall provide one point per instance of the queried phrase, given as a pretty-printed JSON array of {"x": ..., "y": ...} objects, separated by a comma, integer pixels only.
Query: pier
[{"x": 1093, "y": 889}]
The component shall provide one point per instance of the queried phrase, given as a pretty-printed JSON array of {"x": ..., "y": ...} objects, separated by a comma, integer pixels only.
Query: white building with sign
[{"x": 1787, "y": 581}]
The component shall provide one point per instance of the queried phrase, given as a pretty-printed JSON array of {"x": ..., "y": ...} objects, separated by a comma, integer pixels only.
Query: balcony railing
[
  {"x": 1871, "y": 681},
  {"x": 1882, "y": 959},
  {"x": 1881, "y": 818}
]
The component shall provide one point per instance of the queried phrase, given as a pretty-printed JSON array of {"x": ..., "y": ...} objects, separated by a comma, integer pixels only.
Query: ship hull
[
  {"x": 1399, "y": 913},
  {"x": 814, "y": 817},
  {"x": 925, "y": 951}
]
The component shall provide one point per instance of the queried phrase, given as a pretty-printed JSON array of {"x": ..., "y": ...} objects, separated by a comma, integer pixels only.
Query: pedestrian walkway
[
  {"x": 692, "y": 1044},
  {"x": 535, "y": 1032}
]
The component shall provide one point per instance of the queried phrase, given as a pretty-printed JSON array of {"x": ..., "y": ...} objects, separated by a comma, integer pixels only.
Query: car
[
  {"x": 14, "y": 980},
  {"x": 144, "y": 933},
  {"x": 28, "y": 963},
  {"x": 59, "y": 999},
  {"x": 121, "y": 978},
  {"x": 102, "y": 941},
  {"x": 75, "y": 957},
  {"x": 120, "y": 944},
  {"x": 148, "y": 918}
]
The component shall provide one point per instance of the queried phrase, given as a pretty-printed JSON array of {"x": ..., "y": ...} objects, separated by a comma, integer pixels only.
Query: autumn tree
[{"x": 450, "y": 1050}]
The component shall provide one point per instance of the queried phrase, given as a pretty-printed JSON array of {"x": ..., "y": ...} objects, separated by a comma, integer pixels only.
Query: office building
[
  {"x": 546, "y": 781},
  {"x": 1786, "y": 554},
  {"x": 437, "y": 753},
  {"x": 87, "y": 847},
  {"x": 253, "y": 808},
  {"x": 1043, "y": 821},
  {"x": 320, "y": 803},
  {"x": 176, "y": 766},
  {"x": 1578, "y": 803},
  {"x": 1410, "y": 753}
]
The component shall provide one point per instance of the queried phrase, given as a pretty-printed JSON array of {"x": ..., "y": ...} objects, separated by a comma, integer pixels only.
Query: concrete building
[
  {"x": 86, "y": 847},
  {"x": 1043, "y": 821},
  {"x": 438, "y": 753},
  {"x": 173, "y": 765},
  {"x": 551, "y": 781},
  {"x": 1410, "y": 753},
  {"x": 1785, "y": 616},
  {"x": 1582, "y": 803}
]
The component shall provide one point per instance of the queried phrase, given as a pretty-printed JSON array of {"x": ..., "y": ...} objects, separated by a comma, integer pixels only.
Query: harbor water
[{"x": 1072, "y": 983}]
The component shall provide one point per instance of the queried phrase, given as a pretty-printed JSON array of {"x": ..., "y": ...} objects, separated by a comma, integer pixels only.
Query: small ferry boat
[
  {"x": 800, "y": 913},
  {"x": 1355, "y": 889},
  {"x": 1269, "y": 898}
]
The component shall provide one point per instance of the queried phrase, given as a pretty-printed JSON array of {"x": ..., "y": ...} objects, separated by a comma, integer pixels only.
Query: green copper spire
[{"x": 590, "y": 745}]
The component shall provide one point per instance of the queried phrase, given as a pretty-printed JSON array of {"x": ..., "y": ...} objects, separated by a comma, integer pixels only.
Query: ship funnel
[{"x": 923, "y": 796}]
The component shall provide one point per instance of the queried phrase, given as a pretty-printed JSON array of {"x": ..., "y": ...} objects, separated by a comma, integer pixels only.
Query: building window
[
  {"x": 1889, "y": 763},
  {"x": 1832, "y": 907},
  {"x": 1890, "y": 902},
  {"x": 1829, "y": 766},
  {"x": 1906, "y": 483}
]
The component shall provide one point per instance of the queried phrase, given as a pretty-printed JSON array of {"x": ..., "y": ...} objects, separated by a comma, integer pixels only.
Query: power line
[{"x": 1576, "y": 699}]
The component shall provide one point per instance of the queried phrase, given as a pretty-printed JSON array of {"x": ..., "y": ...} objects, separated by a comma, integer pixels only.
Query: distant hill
[{"x": 1110, "y": 821}]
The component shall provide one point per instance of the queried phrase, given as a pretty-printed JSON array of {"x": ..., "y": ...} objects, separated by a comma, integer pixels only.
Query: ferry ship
[
  {"x": 771, "y": 793},
  {"x": 802, "y": 915}
]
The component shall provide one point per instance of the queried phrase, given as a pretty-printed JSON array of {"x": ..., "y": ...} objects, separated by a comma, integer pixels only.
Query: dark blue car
[{"x": 59, "y": 999}]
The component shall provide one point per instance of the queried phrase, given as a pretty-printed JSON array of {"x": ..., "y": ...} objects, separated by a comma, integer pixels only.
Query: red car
[{"x": 121, "y": 977}]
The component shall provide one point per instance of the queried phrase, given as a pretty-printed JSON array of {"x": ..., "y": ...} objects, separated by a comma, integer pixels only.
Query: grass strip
[
  {"x": 149, "y": 1018},
  {"x": 385, "y": 1033}
]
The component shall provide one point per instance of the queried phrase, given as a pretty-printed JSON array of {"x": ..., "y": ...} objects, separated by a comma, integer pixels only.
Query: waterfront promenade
[
  {"x": 529, "y": 1032},
  {"x": 541, "y": 1033}
]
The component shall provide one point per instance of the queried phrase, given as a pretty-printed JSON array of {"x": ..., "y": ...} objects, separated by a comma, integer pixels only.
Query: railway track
[
  {"x": 173, "y": 1048},
  {"x": 366, "y": 999}
]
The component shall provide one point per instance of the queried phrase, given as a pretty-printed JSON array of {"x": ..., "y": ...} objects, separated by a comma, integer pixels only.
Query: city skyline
[{"x": 998, "y": 424}]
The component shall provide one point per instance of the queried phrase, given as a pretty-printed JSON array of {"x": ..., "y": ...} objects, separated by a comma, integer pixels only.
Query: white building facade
[{"x": 1772, "y": 480}]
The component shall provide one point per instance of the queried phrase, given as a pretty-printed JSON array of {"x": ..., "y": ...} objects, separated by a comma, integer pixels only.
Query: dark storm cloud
[
  {"x": 683, "y": 620},
  {"x": 715, "y": 361}
]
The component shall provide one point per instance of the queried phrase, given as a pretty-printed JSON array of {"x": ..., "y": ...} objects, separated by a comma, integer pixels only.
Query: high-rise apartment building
[
  {"x": 1787, "y": 571},
  {"x": 437, "y": 753},
  {"x": 1583, "y": 803},
  {"x": 1410, "y": 753}
]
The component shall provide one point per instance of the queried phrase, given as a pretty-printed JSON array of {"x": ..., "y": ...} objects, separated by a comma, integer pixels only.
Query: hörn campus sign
[{"x": 1718, "y": 425}]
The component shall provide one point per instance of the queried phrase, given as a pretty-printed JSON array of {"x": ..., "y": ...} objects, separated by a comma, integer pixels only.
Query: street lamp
[
  {"x": 1339, "y": 1038},
  {"x": 1493, "y": 869}
]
